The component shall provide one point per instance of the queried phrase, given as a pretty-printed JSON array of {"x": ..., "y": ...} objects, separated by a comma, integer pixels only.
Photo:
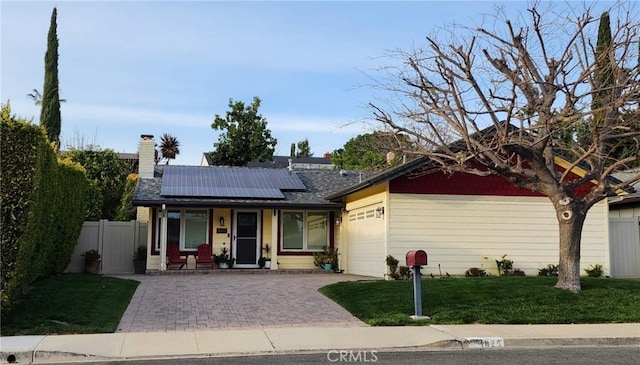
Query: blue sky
[{"x": 131, "y": 68}]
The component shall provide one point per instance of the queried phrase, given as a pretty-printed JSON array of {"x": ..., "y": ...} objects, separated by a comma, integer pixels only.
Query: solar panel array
[{"x": 228, "y": 182}]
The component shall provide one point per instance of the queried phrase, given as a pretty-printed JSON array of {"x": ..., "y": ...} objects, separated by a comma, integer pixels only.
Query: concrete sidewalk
[{"x": 113, "y": 346}]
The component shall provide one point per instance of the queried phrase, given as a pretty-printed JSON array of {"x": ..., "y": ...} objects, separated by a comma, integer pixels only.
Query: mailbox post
[{"x": 415, "y": 259}]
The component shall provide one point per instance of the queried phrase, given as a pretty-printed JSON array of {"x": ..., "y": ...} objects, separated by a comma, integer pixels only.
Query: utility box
[{"x": 416, "y": 258}]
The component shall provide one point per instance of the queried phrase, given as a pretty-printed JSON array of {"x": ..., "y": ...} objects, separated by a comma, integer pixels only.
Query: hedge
[
  {"x": 42, "y": 205},
  {"x": 107, "y": 174}
]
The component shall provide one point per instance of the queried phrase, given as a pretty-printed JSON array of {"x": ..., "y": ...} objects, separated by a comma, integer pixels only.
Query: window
[
  {"x": 305, "y": 231},
  {"x": 186, "y": 228}
]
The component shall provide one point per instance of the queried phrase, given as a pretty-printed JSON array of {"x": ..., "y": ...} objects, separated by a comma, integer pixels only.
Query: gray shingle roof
[
  {"x": 319, "y": 184},
  {"x": 281, "y": 162}
]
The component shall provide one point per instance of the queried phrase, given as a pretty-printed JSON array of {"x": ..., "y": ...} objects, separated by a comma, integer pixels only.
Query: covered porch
[{"x": 246, "y": 238}]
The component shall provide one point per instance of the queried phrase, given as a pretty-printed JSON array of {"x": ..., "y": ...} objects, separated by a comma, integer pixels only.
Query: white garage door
[{"x": 365, "y": 238}]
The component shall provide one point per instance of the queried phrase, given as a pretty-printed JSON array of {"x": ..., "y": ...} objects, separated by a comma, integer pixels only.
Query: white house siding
[
  {"x": 366, "y": 237},
  {"x": 457, "y": 232}
]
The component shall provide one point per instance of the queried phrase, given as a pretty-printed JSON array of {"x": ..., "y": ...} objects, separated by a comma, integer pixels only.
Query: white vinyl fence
[
  {"x": 624, "y": 238},
  {"x": 115, "y": 241}
]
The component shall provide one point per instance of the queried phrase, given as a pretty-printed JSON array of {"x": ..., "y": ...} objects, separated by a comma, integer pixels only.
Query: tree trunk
[{"x": 571, "y": 220}]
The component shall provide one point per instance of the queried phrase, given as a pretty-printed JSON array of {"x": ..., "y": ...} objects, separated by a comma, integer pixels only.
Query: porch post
[
  {"x": 274, "y": 239},
  {"x": 163, "y": 238}
]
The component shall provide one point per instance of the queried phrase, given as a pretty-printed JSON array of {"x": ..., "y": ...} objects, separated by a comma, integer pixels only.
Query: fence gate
[
  {"x": 115, "y": 241},
  {"x": 624, "y": 241}
]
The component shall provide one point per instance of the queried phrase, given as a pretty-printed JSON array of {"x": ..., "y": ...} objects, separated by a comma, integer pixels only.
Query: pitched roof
[
  {"x": 382, "y": 176},
  {"x": 281, "y": 162},
  {"x": 298, "y": 162},
  {"x": 318, "y": 183}
]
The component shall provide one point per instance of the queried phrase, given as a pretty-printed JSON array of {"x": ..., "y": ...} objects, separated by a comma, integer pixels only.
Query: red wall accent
[
  {"x": 332, "y": 229},
  {"x": 154, "y": 218},
  {"x": 463, "y": 184},
  {"x": 211, "y": 227}
]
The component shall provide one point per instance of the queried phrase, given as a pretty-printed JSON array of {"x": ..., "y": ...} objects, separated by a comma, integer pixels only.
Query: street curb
[
  {"x": 35, "y": 356},
  {"x": 568, "y": 342}
]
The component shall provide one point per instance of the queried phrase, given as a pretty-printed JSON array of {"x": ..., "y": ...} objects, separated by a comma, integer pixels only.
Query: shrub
[
  {"x": 594, "y": 271},
  {"x": 140, "y": 253},
  {"x": 108, "y": 173},
  {"x": 126, "y": 210},
  {"x": 91, "y": 255},
  {"x": 40, "y": 200},
  {"x": 518, "y": 272},
  {"x": 392, "y": 264},
  {"x": 474, "y": 271},
  {"x": 405, "y": 272},
  {"x": 505, "y": 266},
  {"x": 549, "y": 270}
]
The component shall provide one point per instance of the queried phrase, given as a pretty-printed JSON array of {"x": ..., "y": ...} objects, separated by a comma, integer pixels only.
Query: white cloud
[{"x": 114, "y": 114}]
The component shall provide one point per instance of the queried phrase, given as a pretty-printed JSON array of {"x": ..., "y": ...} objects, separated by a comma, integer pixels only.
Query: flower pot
[
  {"x": 224, "y": 265},
  {"x": 267, "y": 264},
  {"x": 92, "y": 266},
  {"x": 327, "y": 266},
  {"x": 139, "y": 266}
]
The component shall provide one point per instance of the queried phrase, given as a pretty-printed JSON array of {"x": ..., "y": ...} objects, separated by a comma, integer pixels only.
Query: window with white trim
[
  {"x": 185, "y": 227},
  {"x": 304, "y": 231}
]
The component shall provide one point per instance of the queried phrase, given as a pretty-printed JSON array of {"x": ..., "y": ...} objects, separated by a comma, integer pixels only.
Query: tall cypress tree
[
  {"x": 603, "y": 82},
  {"x": 603, "y": 73},
  {"x": 50, "y": 112}
]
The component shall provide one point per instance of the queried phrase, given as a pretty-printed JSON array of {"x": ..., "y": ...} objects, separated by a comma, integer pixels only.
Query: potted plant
[
  {"x": 91, "y": 261},
  {"x": 327, "y": 259},
  {"x": 266, "y": 258},
  {"x": 261, "y": 261},
  {"x": 140, "y": 260},
  {"x": 326, "y": 263},
  {"x": 223, "y": 260}
]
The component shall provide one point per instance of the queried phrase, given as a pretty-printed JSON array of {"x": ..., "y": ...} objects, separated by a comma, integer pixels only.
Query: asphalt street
[{"x": 529, "y": 356}]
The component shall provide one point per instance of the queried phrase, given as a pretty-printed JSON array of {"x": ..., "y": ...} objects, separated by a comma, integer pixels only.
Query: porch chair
[
  {"x": 205, "y": 256},
  {"x": 174, "y": 257}
]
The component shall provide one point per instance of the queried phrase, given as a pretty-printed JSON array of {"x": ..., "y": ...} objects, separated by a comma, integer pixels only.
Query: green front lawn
[
  {"x": 70, "y": 303},
  {"x": 490, "y": 300}
]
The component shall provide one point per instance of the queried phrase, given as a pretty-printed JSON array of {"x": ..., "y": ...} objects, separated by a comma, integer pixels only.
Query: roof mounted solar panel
[{"x": 228, "y": 182}]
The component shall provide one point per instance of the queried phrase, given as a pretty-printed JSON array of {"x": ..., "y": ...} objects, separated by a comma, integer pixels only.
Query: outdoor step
[{"x": 239, "y": 271}]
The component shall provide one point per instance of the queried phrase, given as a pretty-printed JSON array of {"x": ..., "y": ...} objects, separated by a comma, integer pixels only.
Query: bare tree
[{"x": 509, "y": 97}]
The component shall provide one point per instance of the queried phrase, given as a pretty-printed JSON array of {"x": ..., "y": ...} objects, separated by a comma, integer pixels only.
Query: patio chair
[
  {"x": 204, "y": 256},
  {"x": 174, "y": 258}
]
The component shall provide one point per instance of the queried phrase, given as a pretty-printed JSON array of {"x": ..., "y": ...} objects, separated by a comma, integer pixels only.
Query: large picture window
[
  {"x": 305, "y": 231},
  {"x": 186, "y": 228}
]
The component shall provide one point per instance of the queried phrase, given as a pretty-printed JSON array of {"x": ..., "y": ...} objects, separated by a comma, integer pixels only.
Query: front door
[{"x": 246, "y": 249}]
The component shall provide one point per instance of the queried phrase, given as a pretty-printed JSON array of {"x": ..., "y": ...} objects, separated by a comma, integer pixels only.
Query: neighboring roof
[
  {"x": 630, "y": 198},
  {"x": 281, "y": 162},
  {"x": 619, "y": 201},
  {"x": 208, "y": 159},
  {"x": 319, "y": 184},
  {"x": 297, "y": 162},
  {"x": 385, "y": 175}
]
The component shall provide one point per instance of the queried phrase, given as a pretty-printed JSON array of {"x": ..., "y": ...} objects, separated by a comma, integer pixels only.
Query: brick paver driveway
[{"x": 217, "y": 301}]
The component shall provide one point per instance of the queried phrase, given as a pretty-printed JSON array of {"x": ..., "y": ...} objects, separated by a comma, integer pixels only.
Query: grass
[
  {"x": 490, "y": 300},
  {"x": 68, "y": 304}
]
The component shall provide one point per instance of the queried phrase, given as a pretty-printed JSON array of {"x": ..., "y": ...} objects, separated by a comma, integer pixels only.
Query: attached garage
[
  {"x": 461, "y": 220},
  {"x": 366, "y": 237}
]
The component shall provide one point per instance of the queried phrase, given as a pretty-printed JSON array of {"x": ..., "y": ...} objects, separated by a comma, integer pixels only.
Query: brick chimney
[{"x": 146, "y": 156}]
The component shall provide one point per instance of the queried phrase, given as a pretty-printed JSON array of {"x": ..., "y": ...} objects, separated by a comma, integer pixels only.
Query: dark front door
[{"x": 247, "y": 228}]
